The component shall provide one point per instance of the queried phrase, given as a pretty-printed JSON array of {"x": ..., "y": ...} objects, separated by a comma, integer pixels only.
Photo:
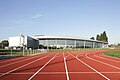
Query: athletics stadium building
[
  {"x": 68, "y": 42},
  {"x": 54, "y": 42}
]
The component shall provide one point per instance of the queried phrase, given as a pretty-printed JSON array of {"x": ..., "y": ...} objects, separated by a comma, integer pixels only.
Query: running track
[{"x": 84, "y": 65}]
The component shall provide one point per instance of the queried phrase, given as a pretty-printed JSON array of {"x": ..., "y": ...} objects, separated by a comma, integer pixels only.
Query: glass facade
[{"x": 73, "y": 43}]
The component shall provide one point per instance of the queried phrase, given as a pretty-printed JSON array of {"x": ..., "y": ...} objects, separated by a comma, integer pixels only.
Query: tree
[
  {"x": 98, "y": 37},
  {"x": 102, "y": 37},
  {"x": 105, "y": 38},
  {"x": 4, "y": 43},
  {"x": 92, "y": 38},
  {"x": 118, "y": 45},
  {"x": 0, "y": 45}
]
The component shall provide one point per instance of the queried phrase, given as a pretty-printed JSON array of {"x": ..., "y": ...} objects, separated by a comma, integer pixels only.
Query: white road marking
[
  {"x": 22, "y": 66},
  {"x": 42, "y": 67},
  {"x": 66, "y": 69},
  {"x": 103, "y": 62},
  {"x": 91, "y": 67}
]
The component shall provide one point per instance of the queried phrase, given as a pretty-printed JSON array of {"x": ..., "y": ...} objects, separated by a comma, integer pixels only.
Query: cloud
[
  {"x": 36, "y": 16},
  {"x": 26, "y": 21}
]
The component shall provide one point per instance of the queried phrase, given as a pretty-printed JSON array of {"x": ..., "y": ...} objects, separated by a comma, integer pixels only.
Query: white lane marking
[
  {"x": 20, "y": 61},
  {"x": 65, "y": 73},
  {"x": 37, "y": 54},
  {"x": 67, "y": 56},
  {"x": 22, "y": 66},
  {"x": 18, "y": 58},
  {"x": 42, "y": 67},
  {"x": 13, "y": 59},
  {"x": 91, "y": 67},
  {"x": 103, "y": 62},
  {"x": 66, "y": 69},
  {"x": 106, "y": 58},
  {"x": 80, "y": 55},
  {"x": 77, "y": 55}
]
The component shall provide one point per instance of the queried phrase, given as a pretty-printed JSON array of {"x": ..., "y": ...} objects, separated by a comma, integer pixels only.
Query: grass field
[{"x": 113, "y": 53}]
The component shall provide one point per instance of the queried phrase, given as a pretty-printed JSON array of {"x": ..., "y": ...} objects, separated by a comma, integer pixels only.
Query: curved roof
[{"x": 65, "y": 37}]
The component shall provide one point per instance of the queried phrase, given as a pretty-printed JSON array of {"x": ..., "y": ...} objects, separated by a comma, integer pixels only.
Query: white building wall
[
  {"x": 26, "y": 41},
  {"x": 15, "y": 41}
]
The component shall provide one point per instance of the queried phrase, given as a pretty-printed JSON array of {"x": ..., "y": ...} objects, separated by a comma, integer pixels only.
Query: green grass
[{"x": 113, "y": 53}]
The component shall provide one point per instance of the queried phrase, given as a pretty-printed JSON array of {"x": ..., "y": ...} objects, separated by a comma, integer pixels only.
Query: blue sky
[{"x": 83, "y": 18}]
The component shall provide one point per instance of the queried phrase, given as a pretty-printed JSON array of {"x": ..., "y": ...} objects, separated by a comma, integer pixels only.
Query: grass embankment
[{"x": 113, "y": 53}]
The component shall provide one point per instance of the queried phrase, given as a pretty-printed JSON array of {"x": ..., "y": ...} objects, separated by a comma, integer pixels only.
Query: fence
[{"x": 18, "y": 52}]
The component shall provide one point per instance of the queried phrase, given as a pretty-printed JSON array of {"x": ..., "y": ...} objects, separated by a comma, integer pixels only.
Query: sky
[{"x": 82, "y": 18}]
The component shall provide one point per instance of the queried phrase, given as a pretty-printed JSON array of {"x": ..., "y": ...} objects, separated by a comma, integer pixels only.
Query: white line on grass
[
  {"x": 42, "y": 67},
  {"x": 90, "y": 67},
  {"x": 66, "y": 69}
]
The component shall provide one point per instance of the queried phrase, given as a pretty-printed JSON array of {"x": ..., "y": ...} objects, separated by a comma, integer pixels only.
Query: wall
[
  {"x": 15, "y": 41},
  {"x": 32, "y": 43}
]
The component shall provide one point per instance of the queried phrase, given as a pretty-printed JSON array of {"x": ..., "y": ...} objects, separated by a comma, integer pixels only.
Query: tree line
[{"x": 101, "y": 37}]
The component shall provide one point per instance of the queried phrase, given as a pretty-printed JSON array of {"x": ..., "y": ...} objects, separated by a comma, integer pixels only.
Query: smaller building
[{"x": 26, "y": 42}]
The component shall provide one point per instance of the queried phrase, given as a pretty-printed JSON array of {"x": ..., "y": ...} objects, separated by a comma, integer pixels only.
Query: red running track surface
[{"x": 84, "y": 65}]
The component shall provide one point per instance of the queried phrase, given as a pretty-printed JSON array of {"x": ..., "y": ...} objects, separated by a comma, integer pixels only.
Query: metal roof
[{"x": 65, "y": 37}]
